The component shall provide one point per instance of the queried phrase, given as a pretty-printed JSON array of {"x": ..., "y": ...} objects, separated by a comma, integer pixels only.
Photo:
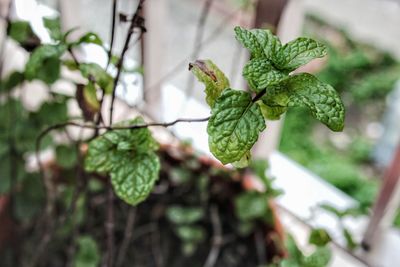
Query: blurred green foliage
[{"x": 363, "y": 76}]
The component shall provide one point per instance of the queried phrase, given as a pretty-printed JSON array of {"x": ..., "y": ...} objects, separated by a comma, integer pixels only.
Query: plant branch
[
  {"x": 112, "y": 34},
  {"x": 135, "y": 22},
  {"x": 127, "y": 236},
  {"x": 217, "y": 239}
]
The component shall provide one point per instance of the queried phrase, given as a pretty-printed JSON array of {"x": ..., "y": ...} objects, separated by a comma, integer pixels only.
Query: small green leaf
[
  {"x": 100, "y": 76},
  {"x": 304, "y": 89},
  {"x": 320, "y": 258},
  {"x": 212, "y": 77},
  {"x": 44, "y": 63},
  {"x": 293, "y": 250},
  {"x": 319, "y": 237},
  {"x": 88, "y": 254},
  {"x": 350, "y": 243},
  {"x": 22, "y": 32},
  {"x": 234, "y": 125},
  {"x": 128, "y": 156},
  {"x": 251, "y": 206},
  {"x": 87, "y": 100},
  {"x": 12, "y": 81},
  {"x": 184, "y": 215},
  {"x": 260, "y": 43},
  {"x": 90, "y": 38},
  {"x": 243, "y": 162},
  {"x": 271, "y": 112},
  {"x": 298, "y": 52},
  {"x": 260, "y": 74},
  {"x": 190, "y": 233},
  {"x": 53, "y": 25},
  {"x": 66, "y": 156}
]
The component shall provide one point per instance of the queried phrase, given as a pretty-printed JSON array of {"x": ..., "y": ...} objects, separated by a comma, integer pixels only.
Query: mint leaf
[
  {"x": 251, "y": 206},
  {"x": 89, "y": 38},
  {"x": 87, "y": 100},
  {"x": 53, "y": 25},
  {"x": 260, "y": 43},
  {"x": 243, "y": 162},
  {"x": 130, "y": 159},
  {"x": 306, "y": 90},
  {"x": 13, "y": 80},
  {"x": 298, "y": 52},
  {"x": 44, "y": 63},
  {"x": 184, "y": 215},
  {"x": 212, "y": 77},
  {"x": 319, "y": 237},
  {"x": 271, "y": 112},
  {"x": 234, "y": 125},
  {"x": 66, "y": 156},
  {"x": 88, "y": 254},
  {"x": 100, "y": 76},
  {"x": 134, "y": 180},
  {"x": 320, "y": 258},
  {"x": 260, "y": 74}
]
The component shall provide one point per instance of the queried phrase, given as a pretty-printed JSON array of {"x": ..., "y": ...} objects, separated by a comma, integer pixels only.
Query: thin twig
[
  {"x": 109, "y": 226},
  {"x": 175, "y": 70},
  {"x": 112, "y": 34},
  {"x": 127, "y": 236},
  {"x": 134, "y": 23},
  {"x": 260, "y": 247},
  {"x": 217, "y": 239}
]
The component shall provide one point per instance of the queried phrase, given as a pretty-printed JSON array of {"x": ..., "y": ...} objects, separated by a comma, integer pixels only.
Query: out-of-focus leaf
[
  {"x": 87, "y": 100},
  {"x": 88, "y": 254},
  {"x": 66, "y": 156},
  {"x": 44, "y": 63},
  {"x": 184, "y": 215},
  {"x": 319, "y": 237}
]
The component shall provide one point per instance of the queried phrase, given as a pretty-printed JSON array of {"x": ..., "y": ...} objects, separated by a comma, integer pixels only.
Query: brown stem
[
  {"x": 134, "y": 23},
  {"x": 127, "y": 236},
  {"x": 112, "y": 34}
]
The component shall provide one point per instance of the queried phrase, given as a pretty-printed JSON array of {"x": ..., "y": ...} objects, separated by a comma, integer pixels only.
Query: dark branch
[{"x": 137, "y": 21}]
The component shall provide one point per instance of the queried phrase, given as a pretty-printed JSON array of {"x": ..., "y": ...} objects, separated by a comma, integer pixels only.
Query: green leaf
[
  {"x": 66, "y": 156},
  {"x": 128, "y": 156},
  {"x": 350, "y": 243},
  {"x": 44, "y": 63},
  {"x": 87, "y": 100},
  {"x": 260, "y": 74},
  {"x": 53, "y": 25},
  {"x": 101, "y": 77},
  {"x": 190, "y": 233},
  {"x": 12, "y": 81},
  {"x": 271, "y": 112},
  {"x": 184, "y": 215},
  {"x": 299, "y": 52},
  {"x": 260, "y": 43},
  {"x": 243, "y": 162},
  {"x": 251, "y": 206},
  {"x": 88, "y": 254},
  {"x": 234, "y": 125},
  {"x": 304, "y": 89},
  {"x": 319, "y": 237},
  {"x": 22, "y": 32},
  {"x": 90, "y": 38},
  {"x": 134, "y": 181},
  {"x": 212, "y": 77},
  {"x": 293, "y": 250},
  {"x": 320, "y": 258}
]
